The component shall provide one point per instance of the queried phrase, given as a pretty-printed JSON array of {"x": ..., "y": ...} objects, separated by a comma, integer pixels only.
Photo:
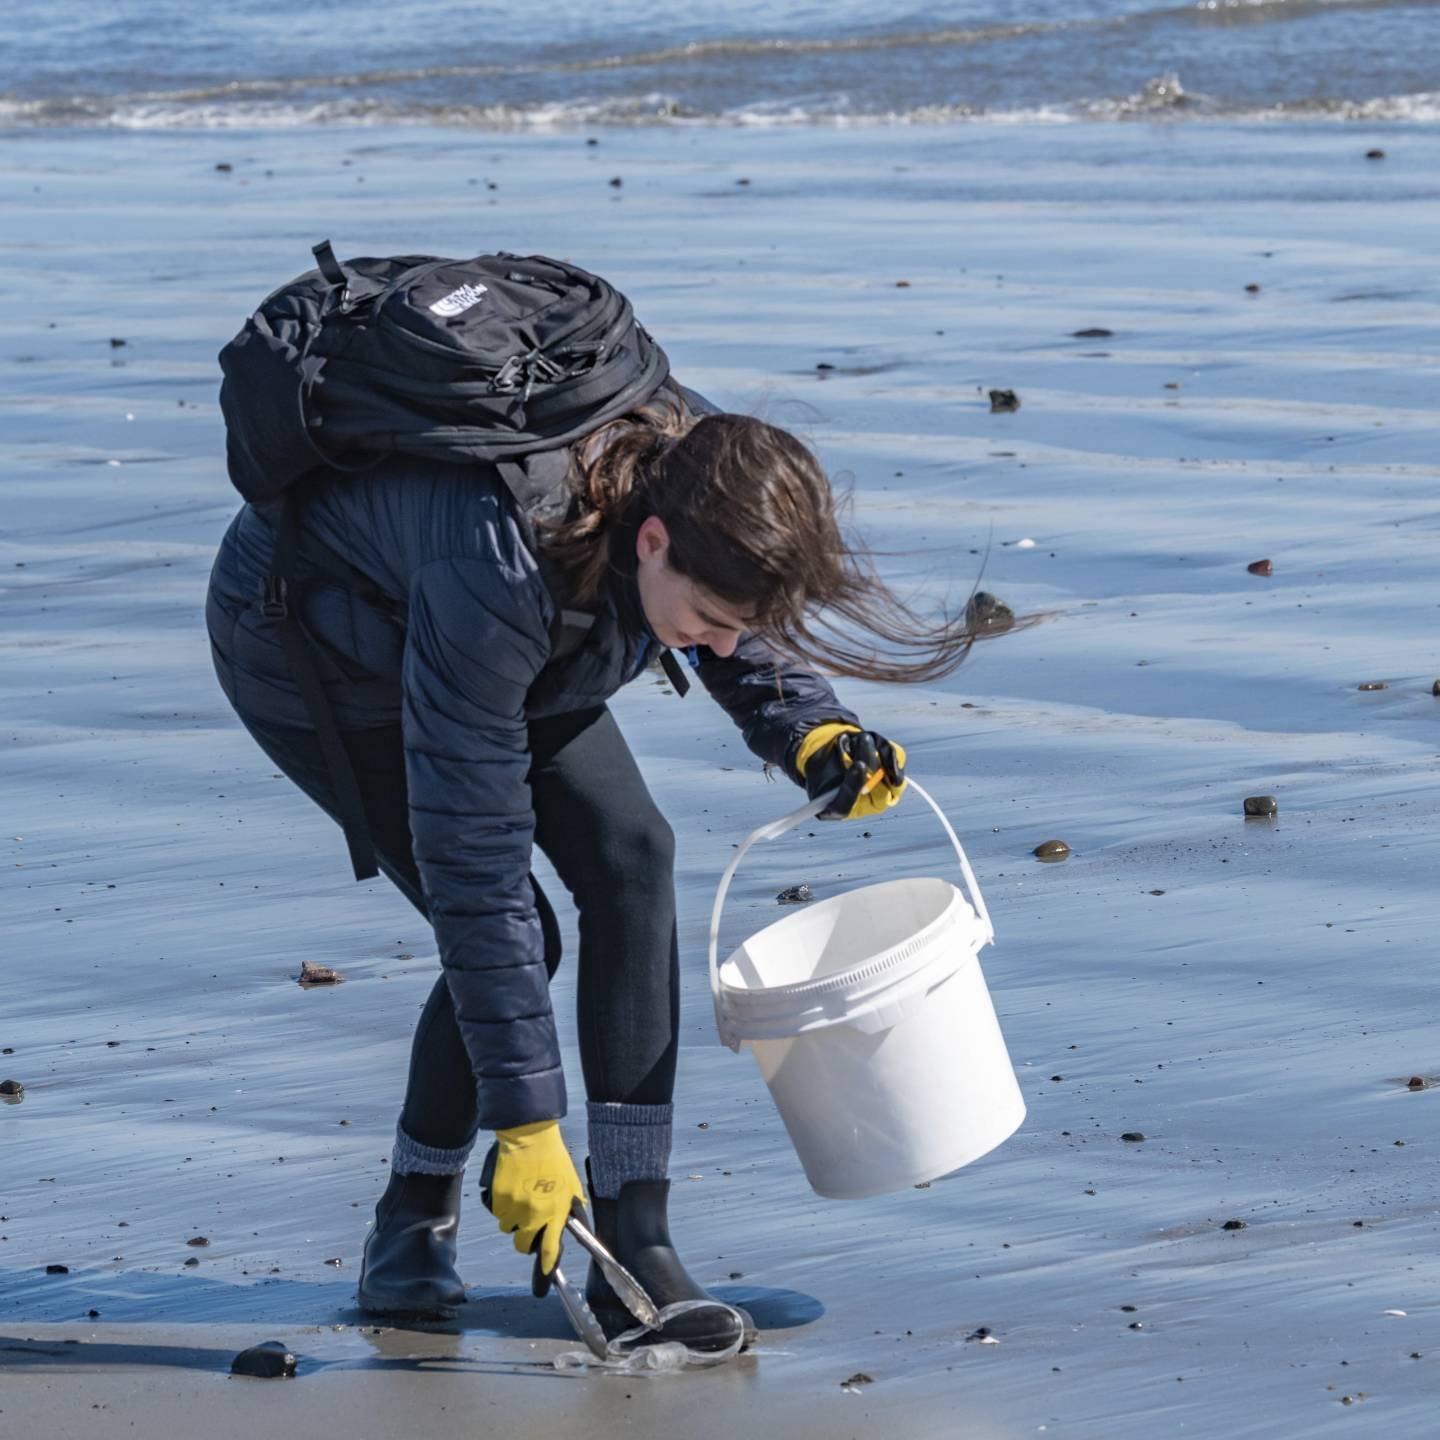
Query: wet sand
[{"x": 1257, "y": 1021}]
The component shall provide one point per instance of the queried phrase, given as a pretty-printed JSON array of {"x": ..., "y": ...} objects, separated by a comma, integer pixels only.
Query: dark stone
[
  {"x": 983, "y": 611},
  {"x": 1129, "y": 1309},
  {"x": 1051, "y": 850},
  {"x": 197, "y": 1240},
  {"x": 1095, "y": 332},
  {"x": 1137, "y": 1324},
  {"x": 1416, "y": 1082},
  {"x": 1260, "y": 567},
  {"x": 859, "y": 1378},
  {"x": 742, "y": 182},
  {"x": 1234, "y": 1225},
  {"x": 902, "y": 284},
  {"x": 191, "y": 1263},
  {"x": 11, "y": 1087},
  {"x": 1133, "y": 1137},
  {"x": 1252, "y": 289},
  {"x": 616, "y": 181},
  {"x": 57, "y": 1269},
  {"x": 1057, "y": 1078},
  {"x": 796, "y": 895},
  {"x": 824, "y": 365},
  {"x": 1374, "y": 154},
  {"x": 1261, "y": 805},
  {"x": 591, "y": 140},
  {"x": 1434, "y": 690},
  {"x": 93, "y": 1314},
  {"x": 269, "y": 1360},
  {"x": 1003, "y": 400},
  {"x": 116, "y": 343},
  {"x": 224, "y": 167},
  {"x": 313, "y": 974},
  {"x": 1373, "y": 685},
  {"x": 1157, "y": 892}
]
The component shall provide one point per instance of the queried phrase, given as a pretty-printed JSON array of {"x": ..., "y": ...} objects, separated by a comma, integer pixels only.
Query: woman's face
[{"x": 678, "y": 611}]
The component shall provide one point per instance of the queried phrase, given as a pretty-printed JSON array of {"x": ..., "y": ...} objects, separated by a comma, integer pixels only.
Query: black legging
[{"x": 614, "y": 852}]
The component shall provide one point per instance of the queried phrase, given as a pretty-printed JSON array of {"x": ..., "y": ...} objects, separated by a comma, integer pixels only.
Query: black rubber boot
[
  {"x": 408, "y": 1267},
  {"x": 635, "y": 1229}
]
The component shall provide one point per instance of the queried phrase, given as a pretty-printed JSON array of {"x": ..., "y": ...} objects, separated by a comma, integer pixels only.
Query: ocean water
[{"x": 170, "y": 63}]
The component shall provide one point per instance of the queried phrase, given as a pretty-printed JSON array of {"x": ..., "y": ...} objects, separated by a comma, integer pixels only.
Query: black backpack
[{"x": 500, "y": 359}]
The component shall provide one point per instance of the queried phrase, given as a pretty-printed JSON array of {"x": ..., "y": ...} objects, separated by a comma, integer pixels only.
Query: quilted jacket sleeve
[
  {"x": 774, "y": 705},
  {"x": 477, "y": 638}
]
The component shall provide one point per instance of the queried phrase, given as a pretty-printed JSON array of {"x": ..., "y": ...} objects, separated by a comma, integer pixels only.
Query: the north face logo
[{"x": 457, "y": 302}]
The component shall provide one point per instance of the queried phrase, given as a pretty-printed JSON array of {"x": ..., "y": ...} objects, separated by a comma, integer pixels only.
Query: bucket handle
[{"x": 773, "y": 831}]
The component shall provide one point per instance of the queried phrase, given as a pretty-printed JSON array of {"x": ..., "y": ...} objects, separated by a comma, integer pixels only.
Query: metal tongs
[{"x": 572, "y": 1297}]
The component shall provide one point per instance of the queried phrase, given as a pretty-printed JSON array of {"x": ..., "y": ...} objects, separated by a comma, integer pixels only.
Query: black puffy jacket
[{"x": 452, "y": 644}]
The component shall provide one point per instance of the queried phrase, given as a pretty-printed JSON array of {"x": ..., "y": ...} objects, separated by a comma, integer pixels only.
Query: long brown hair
[{"x": 753, "y": 520}]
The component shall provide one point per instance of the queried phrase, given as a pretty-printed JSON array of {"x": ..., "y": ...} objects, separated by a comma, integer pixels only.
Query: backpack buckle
[{"x": 273, "y": 604}]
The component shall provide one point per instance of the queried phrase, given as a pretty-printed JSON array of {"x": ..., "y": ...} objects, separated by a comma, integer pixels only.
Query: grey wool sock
[
  {"x": 627, "y": 1142},
  {"x": 410, "y": 1157}
]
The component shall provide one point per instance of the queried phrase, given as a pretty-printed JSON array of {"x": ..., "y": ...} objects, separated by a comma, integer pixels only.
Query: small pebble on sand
[
  {"x": 1234, "y": 1225},
  {"x": 859, "y": 1378},
  {"x": 1133, "y": 1137},
  {"x": 191, "y": 1263},
  {"x": 267, "y": 1361},
  {"x": 984, "y": 612},
  {"x": 1416, "y": 1082},
  {"x": 199, "y": 1241},
  {"x": 1373, "y": 685},
  {"x": 1260, "y": 567},
  {"x": 1435, "y": 688},
  {"x": 1374, "y": 154},
  {"x": 1002, "y": 401},
  {"x": 795, "y": 895},
  {"x": 11, "y": 1089},
  {"x": 1252, "y": 289},
  {"x": 1095, "y": 332},
  {"x": 1051, "y": 850},
  {"x": 57, "y": 1269},
  {"x": 1260, "y": 805},
  {"x": 313, "y": 974},
  {"x": 616, "y": 181}
]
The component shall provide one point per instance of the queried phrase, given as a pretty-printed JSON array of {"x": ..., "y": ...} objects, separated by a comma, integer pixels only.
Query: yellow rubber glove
[
  {"x": 868, "y": 768},
  {"x": 535, "y": 1184}
]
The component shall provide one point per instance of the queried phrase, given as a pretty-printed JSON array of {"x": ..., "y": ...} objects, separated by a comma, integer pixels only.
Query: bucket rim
[{"x": 872, "y": 976}]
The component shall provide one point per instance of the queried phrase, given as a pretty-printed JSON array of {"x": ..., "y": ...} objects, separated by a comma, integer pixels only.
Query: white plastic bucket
[{"x": 872, "y": 1026}]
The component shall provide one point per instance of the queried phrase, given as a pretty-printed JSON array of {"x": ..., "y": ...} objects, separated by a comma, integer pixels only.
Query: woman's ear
[{"x": 652, "y": 540}]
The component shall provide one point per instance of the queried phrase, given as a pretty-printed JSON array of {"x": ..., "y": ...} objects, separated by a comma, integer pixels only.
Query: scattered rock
[
  {"x": 198, "y": 1241},
  {"x": 983, "y": 611},
  {"x": 1252, "y": 289},
  {"x": 902, "y": 284},
  {"x": 1373, "y": 685},
  {"x": 1056, "y": 1079},
  {"x": 269, "y": 1360},
  {"x": 1172, "y": 384},
  {"x": 57, "y": 1269},
  {"x": 1417, "y": 1082},
  {"x": 336, "y": 1261},
  {"x": 859, "y": 1378},
  {"x": 224, "y": 167},
  {"x": 1157, "y": 892},
  {"x": 191, "y": 1263},
  {"x": 616, "y": 181},
  {"x": 116, "y": 343},
  {"x": 796, "y": 895},
  {"x": 93, "y": 1314},
  {"x": 1137, "y": 1324},
  {"x": 1235, "y": 1225},
  {"x": 11, "y": 1089},
  {"x": 1374, "y": 154},
  {"x": 742, "y": 182},
  {"x": 591, "y": 140},
  {"x": 823, "y": 365},
  {"x": 1095, "y": 332},
  {"x": 313, "y": 974},
  {"x": 1261, "y": 805},
  {"x": 1051, "y": 850},
  {"x": 1003, "y": 400},
  {"x": 1129, "y": 1309},
  {"x": 1133, "y": 1137},
  {"x": 737, "y": 1274},
  {"x": 1434, "y": 690},
  {"x": 1260, "y": 567}
]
